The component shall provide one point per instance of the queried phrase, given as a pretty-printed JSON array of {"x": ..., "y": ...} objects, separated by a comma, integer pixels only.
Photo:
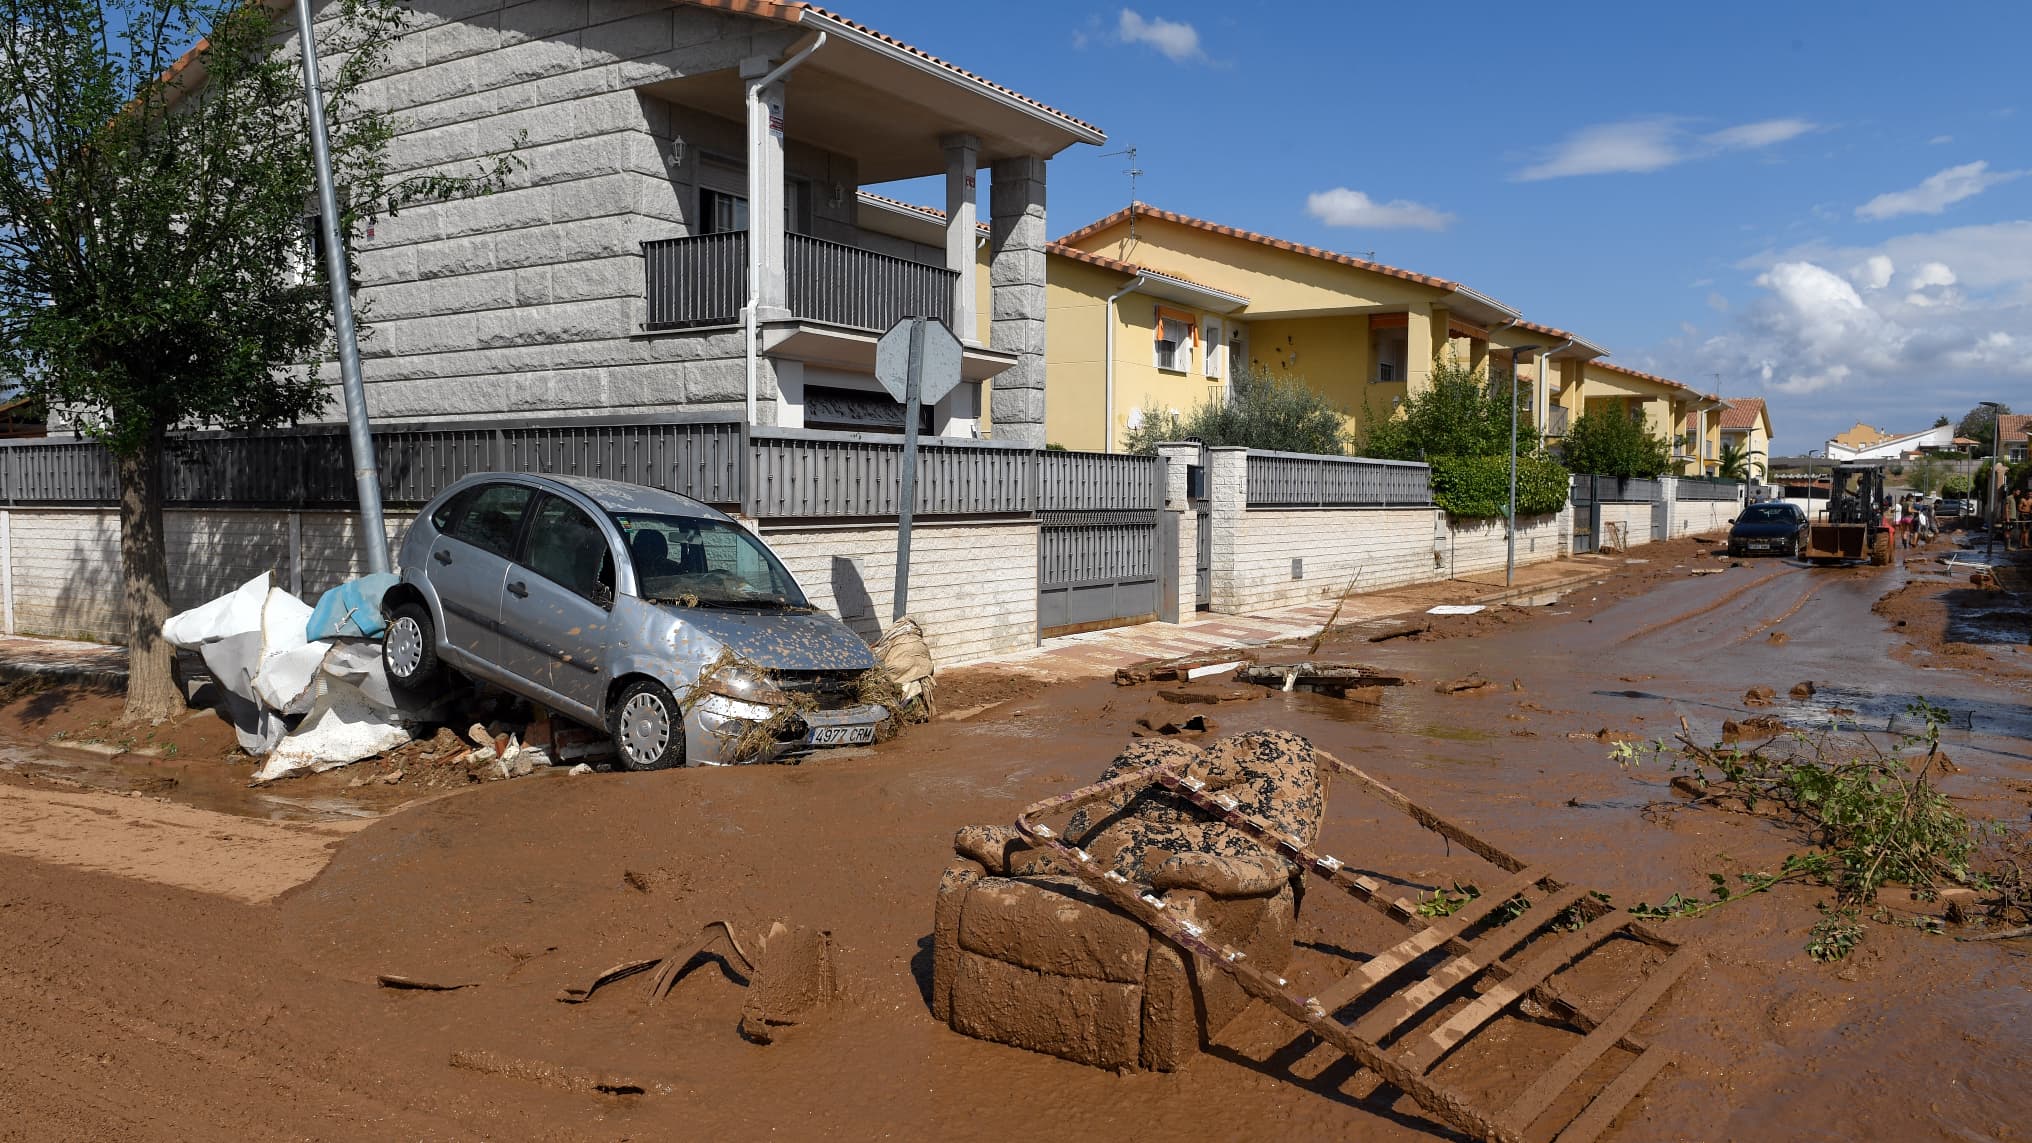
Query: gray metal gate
[
  {"x": 1098, "y": 546},
  {"x": 1096, "y": 569},
  {"x": 1587, "y": 514}
]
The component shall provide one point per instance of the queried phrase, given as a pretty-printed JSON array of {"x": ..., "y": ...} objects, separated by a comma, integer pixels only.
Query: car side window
[
  {"x": 450, "y": 509},
  {"x": 492, "y": 517},
  {"x": 566, "y": 547}
]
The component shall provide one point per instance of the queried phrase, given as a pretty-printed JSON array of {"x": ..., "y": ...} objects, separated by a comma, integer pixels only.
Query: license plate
[{"x": 841, "y": 736}]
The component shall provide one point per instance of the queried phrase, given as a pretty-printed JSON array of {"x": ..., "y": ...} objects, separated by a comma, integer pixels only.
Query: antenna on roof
[{"x": 1134, "y": 172}]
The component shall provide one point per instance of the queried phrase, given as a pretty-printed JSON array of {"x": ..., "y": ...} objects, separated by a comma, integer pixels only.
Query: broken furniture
[
  {"x": 1412, "y": 1005},
  {"x": 1027, "y": 954}
]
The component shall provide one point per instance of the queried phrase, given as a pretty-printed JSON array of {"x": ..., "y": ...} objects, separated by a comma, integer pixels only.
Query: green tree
[
  {"x": 1980, "y": 425},
  {"x": 1738, "y": 461},
  {"x": 1262, "y": 410},
  {"x": 1459, "y": 412},
  {"x": 1612, "y": 443},
  {"x": 154, "y": 264},
  {"x": 1956, "y": 487},
  {"x": 1941, "y": 421}
]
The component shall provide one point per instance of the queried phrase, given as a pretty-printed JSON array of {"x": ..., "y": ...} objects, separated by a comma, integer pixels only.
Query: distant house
[
  {"x": 2014, "y": 436},
  {"x": 1864, "y": 442},
  {"x": 1746, "y": 423},
  {"x": 685, "y": 233},
  {"x": 1154, "y": 311}
]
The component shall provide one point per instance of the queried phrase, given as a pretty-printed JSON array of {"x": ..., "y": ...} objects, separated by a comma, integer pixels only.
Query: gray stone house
[{"x": 686, "y": 232}]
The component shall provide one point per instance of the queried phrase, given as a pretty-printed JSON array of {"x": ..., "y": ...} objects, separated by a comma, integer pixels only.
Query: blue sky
[{"x": 1831, "y": 212}]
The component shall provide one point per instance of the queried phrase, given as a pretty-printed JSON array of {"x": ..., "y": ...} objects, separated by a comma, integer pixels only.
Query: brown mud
[{"x": 136, "y": 1009}]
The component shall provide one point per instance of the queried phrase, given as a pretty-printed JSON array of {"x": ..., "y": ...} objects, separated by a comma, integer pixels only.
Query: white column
[
  {"x": 1177, "y": 458},
  {"x": 962, "y": 163},
  {"x": 7, "y": 565},
  {"x": 766, "y": 190}
]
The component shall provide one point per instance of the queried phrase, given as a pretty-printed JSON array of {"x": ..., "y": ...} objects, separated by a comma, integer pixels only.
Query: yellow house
[
  {"x": 1688, "y": 419},
  {"x": 1149, "y": 311},
  {"x": 1746, "y": 423}
]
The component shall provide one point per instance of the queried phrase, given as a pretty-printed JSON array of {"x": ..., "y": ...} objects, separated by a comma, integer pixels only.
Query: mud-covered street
[{"x": 171, "y": 969}]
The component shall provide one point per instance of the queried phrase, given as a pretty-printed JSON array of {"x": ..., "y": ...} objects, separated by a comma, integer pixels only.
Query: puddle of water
[
  {"x": 204, "y": 784},
  {"x": 1542, "y": 599}
]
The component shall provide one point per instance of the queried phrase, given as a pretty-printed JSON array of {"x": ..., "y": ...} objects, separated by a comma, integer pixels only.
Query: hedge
[{"x": 1478, "y": 487}]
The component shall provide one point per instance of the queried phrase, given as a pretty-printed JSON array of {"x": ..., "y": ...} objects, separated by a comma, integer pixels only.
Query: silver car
[{"x": 642, "y": 612}]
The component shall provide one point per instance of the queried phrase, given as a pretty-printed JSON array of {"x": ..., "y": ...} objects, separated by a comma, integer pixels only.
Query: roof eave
[{"x": 845, "y": 31}]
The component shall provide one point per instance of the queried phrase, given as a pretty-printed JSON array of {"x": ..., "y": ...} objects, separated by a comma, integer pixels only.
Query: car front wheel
[
  {"x": 647, "y": 727},
  {"x": 409, "y": 649}
]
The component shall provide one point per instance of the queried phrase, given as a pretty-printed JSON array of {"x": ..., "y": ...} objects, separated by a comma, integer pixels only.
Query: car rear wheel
[
  {"x": 409, "y": 650},
  {"x": 647, "y": 727}
]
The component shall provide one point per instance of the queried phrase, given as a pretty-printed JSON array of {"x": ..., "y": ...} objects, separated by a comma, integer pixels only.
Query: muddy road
[{"x": 203, "y": 1005}]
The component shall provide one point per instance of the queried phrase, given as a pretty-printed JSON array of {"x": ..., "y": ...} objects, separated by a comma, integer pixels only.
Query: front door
[
  {"x": 469, "y": 563},
  {"x": 555, "y": 602}
]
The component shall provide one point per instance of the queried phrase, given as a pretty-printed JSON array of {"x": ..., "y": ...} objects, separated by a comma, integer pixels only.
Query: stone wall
[
  {"x": 1475, "y": 547},
  {"x": 973, "y": 586},
  {"x": 1704, "y": 517},
  {"x": 1286, "y": 556},
  {"x": 1632, "y": 524}
]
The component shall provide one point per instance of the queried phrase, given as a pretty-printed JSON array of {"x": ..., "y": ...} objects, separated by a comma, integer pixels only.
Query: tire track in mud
[
  {"x": 1708, "y": 608},
  {"x": 1756, "y": 629}
]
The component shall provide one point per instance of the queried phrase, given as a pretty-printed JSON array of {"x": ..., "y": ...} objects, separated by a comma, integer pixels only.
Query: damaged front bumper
[{"x": 722, "y": 731}]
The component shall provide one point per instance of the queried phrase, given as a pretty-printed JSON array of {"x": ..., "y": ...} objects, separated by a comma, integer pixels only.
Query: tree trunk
[{"x": 152, "y": 692}]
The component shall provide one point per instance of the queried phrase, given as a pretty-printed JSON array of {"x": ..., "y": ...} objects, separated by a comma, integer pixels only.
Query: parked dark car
[
  {"x": 1771, "y": 528},
  {"x": 606, "y": 602},
  {"x": 1950, "y": 507}
]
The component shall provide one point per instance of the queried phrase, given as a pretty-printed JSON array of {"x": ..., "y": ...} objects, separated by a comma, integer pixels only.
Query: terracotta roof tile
[
  {"x": 794, "y": 11},
  {"x": 1144, "y": 210},
  {"x": 2011, "y": 426},
  {"x": 1742, "y": 412}
]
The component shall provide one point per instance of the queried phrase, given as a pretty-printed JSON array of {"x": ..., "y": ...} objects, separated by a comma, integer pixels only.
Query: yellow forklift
[{"x": 1853, "y": 528}]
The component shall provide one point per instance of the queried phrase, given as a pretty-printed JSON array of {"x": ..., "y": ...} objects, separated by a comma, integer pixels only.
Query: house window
[
  {"x": 720, "y": 212},
  {"x": 1210, "y": 336},
  {"x": 1385, "y": 372},
  {"x": 1175, "y": 334}
]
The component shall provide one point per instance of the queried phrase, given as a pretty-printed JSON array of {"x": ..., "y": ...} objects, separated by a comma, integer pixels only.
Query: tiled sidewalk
[{"x": 1095, "y": 653}]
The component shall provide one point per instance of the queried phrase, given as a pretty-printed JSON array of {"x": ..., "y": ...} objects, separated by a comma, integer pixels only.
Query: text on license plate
[{"x": 841, "y": 735}]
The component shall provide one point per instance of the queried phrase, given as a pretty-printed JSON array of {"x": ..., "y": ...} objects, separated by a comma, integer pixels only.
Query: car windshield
[
  {"x": 709, "y": 563},
  {"x": 1768, "y": 512}
]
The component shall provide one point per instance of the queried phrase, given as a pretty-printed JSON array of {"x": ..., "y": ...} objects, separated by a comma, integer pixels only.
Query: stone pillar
[
  {"x": 1178, "y": 504},
  {"x": 1227, "y": 504},
  {"x": 765, "y": 193},
  {"x": 1663, "y": 508},
  {"x": 1016, "y": 278},
  {"x": 962, "y": 162}
]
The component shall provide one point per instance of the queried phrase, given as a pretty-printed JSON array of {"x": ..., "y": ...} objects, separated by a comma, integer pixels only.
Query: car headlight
[{"x": 744, "y": 683}]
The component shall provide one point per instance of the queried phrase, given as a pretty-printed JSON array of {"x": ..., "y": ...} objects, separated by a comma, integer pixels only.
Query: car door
[
  {"x": 468, "y": 564},
  {"x": 555, "y": 605}
]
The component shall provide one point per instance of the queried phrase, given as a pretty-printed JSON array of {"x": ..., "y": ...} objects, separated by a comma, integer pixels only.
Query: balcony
[{"x": 703, "y": 281}]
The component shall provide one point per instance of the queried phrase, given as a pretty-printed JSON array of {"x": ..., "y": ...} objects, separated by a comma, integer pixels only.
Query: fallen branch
[{"x": 1999, "y": 935}]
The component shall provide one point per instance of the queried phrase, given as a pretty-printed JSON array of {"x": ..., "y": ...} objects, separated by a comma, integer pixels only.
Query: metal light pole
[
  {"x": 366, "y": 476},
  {"x": 1990, "y": 484}
]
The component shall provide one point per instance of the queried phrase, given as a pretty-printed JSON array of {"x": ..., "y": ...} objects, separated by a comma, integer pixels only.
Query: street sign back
[{"x": 941, "y": 360}]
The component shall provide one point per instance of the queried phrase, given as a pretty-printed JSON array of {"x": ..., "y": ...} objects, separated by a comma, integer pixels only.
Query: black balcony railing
[{"x": 703, "y": 280}]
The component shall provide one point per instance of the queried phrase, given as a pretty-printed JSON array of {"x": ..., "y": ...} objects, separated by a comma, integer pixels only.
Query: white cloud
[
  {"x": 1936, "y": 141},
  {"x": 1343, "y": 207},
  {"x": 1715, "y": 301},
  {"x": 1640, "y": 146},
  {"x": 1635, "y": 147},
  {"x": 1179, "y": 42},
  {"x": 1937, "y": 192},
  {"x": 1763, "y": 133},
  {"x": 1873, "y": 273}
]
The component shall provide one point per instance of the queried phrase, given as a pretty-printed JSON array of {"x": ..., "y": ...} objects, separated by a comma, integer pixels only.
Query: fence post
[
  {"x": 1178, "y": 523},
  {"x": 7, "y": 564},
  {"x": 1227, "y": 503},
  {"x": 1664, "y": 506}
]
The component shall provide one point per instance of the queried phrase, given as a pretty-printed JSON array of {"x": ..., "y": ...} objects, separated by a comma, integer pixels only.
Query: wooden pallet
[{"x": 1401, "y": 1035}]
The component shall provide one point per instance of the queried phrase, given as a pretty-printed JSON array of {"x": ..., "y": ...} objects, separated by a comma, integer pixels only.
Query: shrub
[
  {"x": 1460, "y": 412},
  {"x": 1478, "y": 487},
  {"x": 1263, "y": 410},
  {"x": 1610, "y": 443}
]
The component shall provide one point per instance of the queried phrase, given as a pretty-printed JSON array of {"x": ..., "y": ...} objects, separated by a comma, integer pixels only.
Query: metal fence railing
[
  {"x": 1703, "y": 488},
  {"x": 805, "y": 472},
  {"x": 1627, "y": 489},
  {"x": 1283, "y": 479},
  {"x": 1082, "y": 481},
  {"x": 700, "y": 280},
  {"x": 844, "y": 285}
]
